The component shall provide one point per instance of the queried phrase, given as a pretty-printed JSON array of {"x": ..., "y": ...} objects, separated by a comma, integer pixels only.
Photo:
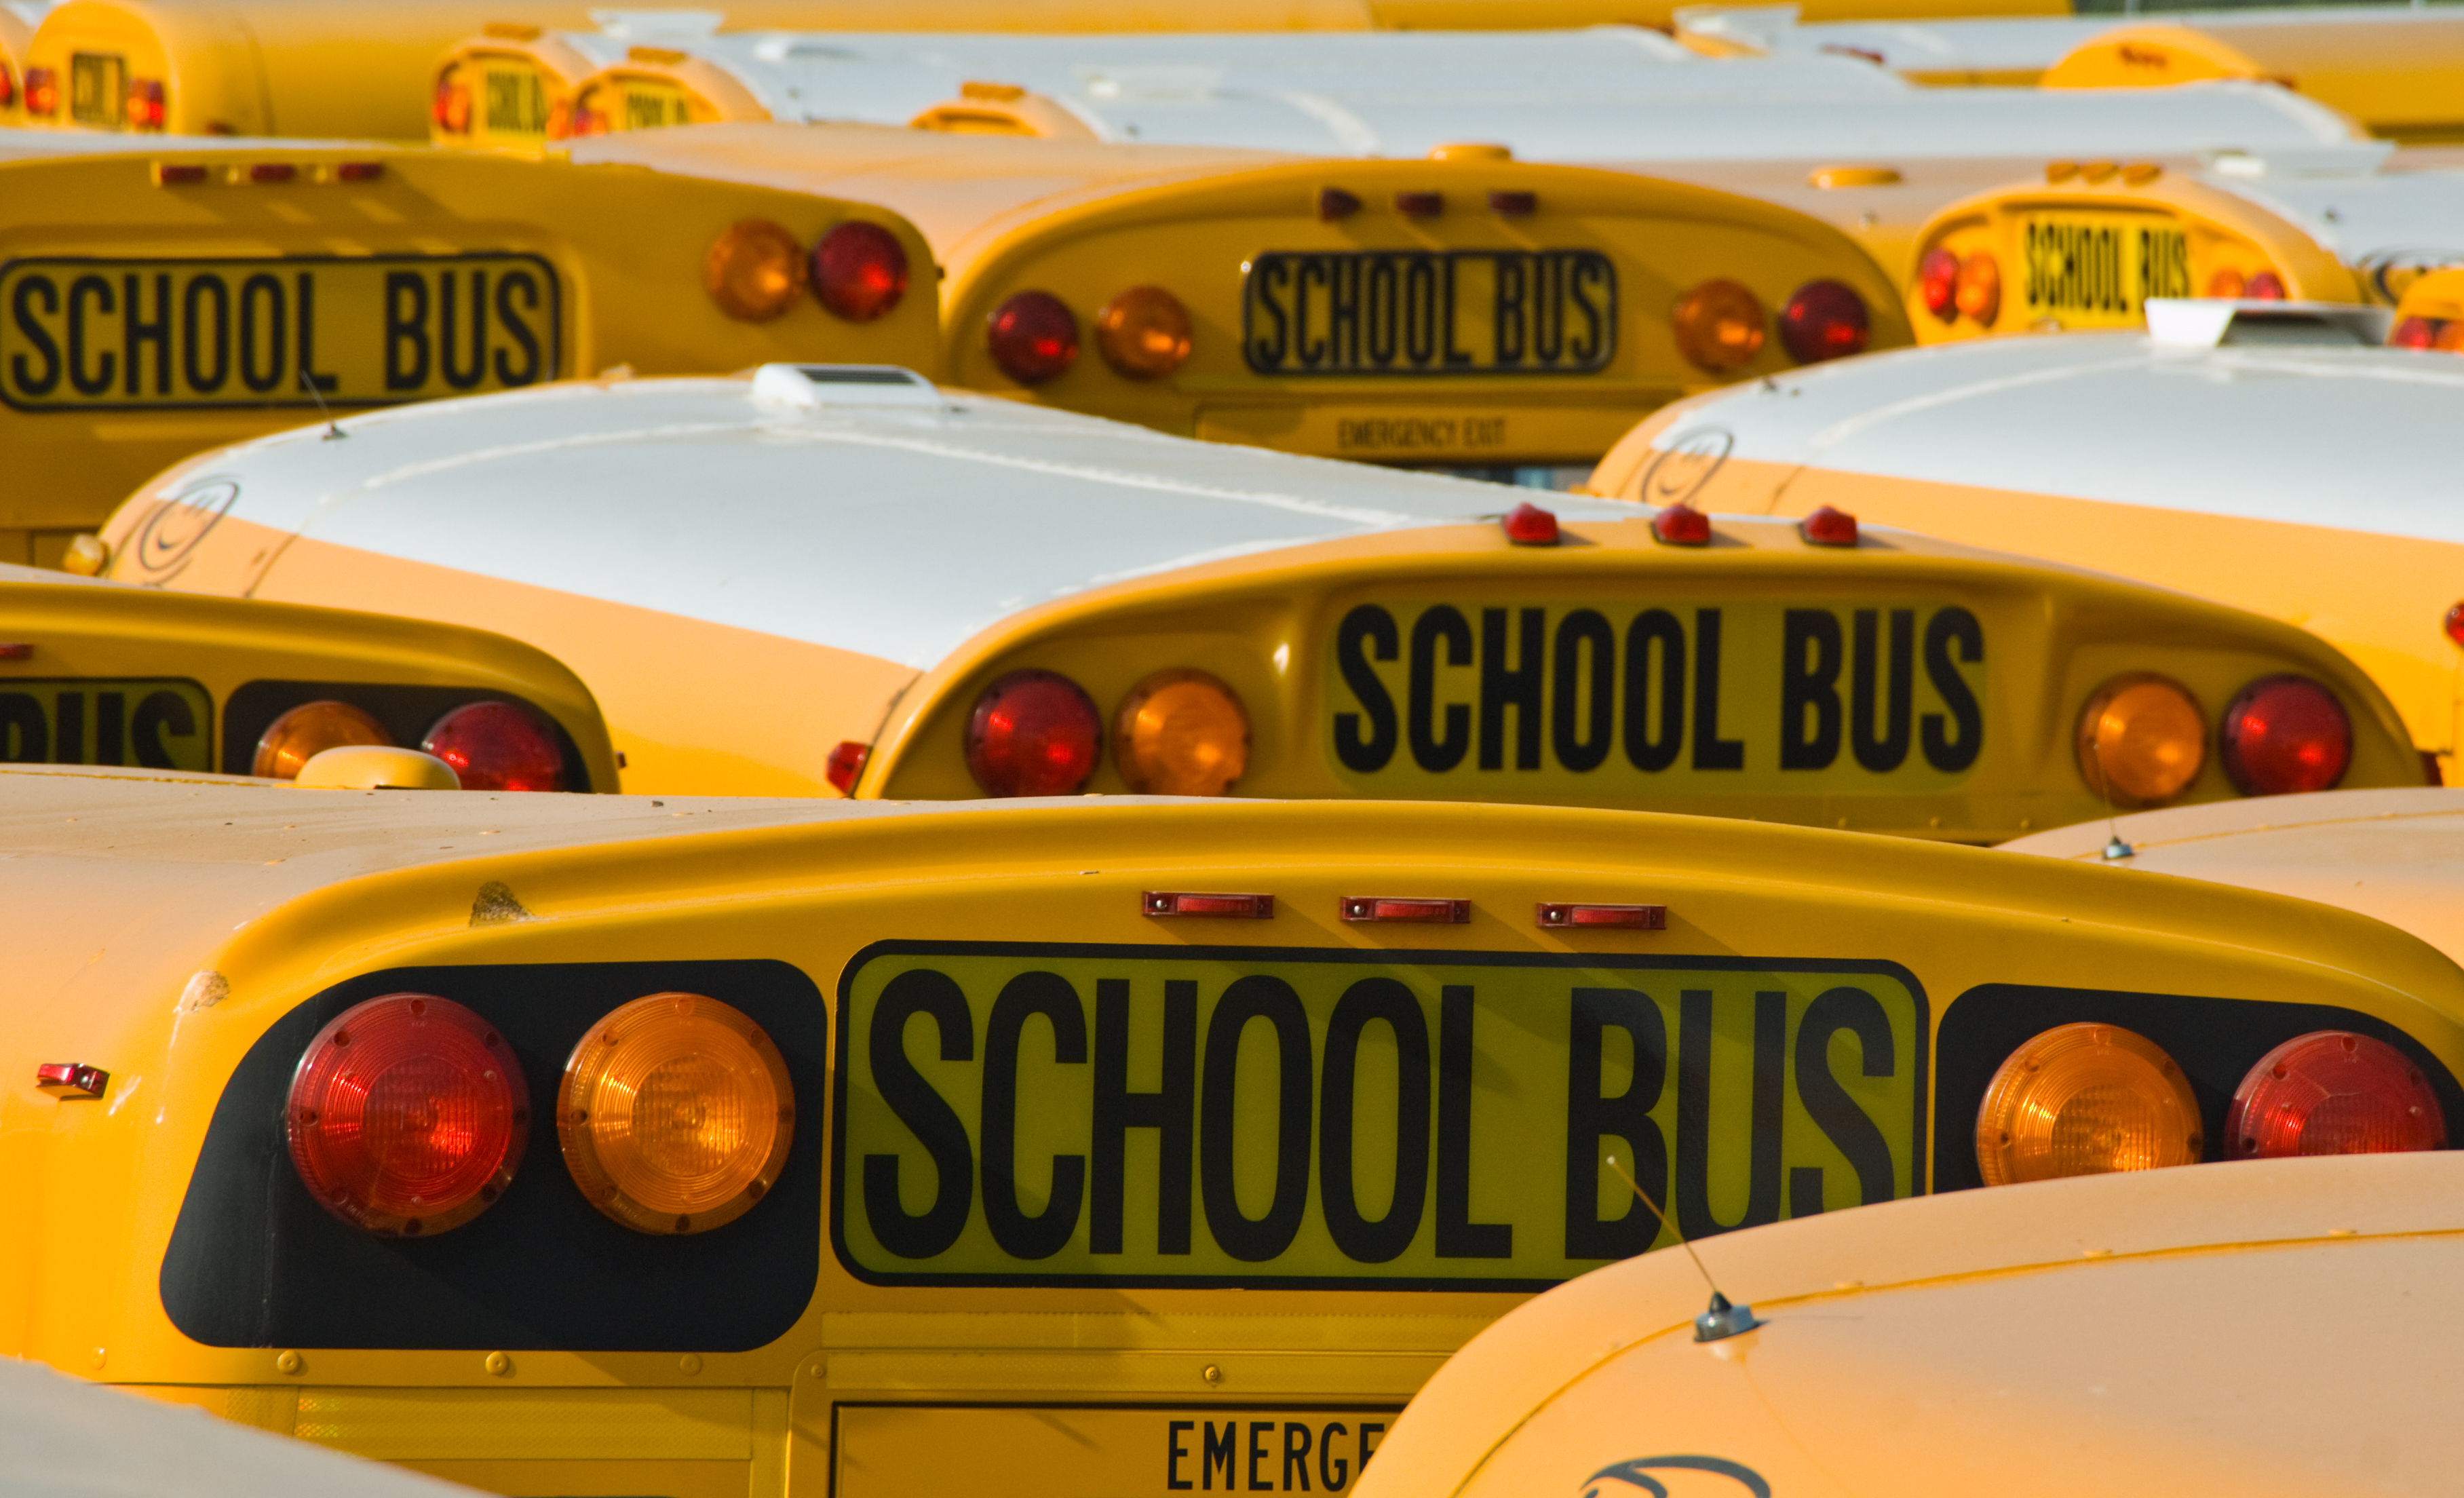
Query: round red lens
[
  {"x": 2414, "y": 333},
  {"x": 859, "y": 270},
  {"x": 1938, "y": 283},
  {"x": 498, "y": 746},
  {"x": 2285, "y": 733},
  {"x": 2333, "y": 1092},
  {"x": 2265, "y": 286},
  {"x": 1034, "y": 337},
  {"x": 407, "y": 1114},
  {"x": 1034, "y": 732},
  {"x": 1823, "y": 320},
  {"x": 2453, "y": 622}
]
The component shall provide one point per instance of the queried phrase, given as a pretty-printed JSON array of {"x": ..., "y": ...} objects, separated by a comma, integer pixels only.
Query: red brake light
[
  {"x": 845, "y": 764},
  {"x": 2414, "y": 333},
  {"x": 497, "y": 746},
  {"x": 407, "y": 1114},
  {"x": 1828, "y": 527},
  {"x": 1034, "y": 337},
  {"x": 1938, "y": 283},
  {"x": 2265, "y": 286},
  {"x": 1529, "y": 526},
  {"x": 8, "y": 86},
  {"x": 1823, "y": 320},
  {"x": 2285, "y": 733},
  {"x": 451, "y": 108},
  {"x": 2454, "y": 622},
  {"x": 2333, "y": 1092},
  {"x": 859, "y": 270},
  {"x": 42, "y": 92},
  {"x": 146, "y": 105},
  {"x": 1034, "y": 732},
  {"x": 1682, "y": 525}
]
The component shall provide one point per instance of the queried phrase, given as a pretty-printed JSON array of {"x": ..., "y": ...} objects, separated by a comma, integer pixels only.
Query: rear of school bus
[
  {"x": 1467, "y": 311},
  {"x": 166, "y": 298},
  {"x": 595, "y": 1146},
  {"x": 103, "y": 674}
]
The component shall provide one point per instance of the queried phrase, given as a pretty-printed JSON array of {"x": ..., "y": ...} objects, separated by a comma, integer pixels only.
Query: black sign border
[
  {"x": 552, "y": 373},
  {"x": 1921, "y": 1110}
]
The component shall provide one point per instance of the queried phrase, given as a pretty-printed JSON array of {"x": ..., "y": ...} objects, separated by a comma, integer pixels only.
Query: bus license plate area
[
  {"x": 2097, "y": 270},
  {"x": 1220, "y": 1116},
  {"x": 1410, "y": 312},
  {"x": 91, "y": 335}
]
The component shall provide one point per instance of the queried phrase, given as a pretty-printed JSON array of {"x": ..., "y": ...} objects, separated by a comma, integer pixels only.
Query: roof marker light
[
  {"x": 2060, "y": 171},
  {"x": 1526, "y": 524},
  {"x": 1682, "y": 525},
  {"x": 1627, "y": 918},
  {"x": 2096, "y": 172},
  {"x": 1505, "y": 204},
  {"x": 1360, "y": 907},
  {"x": 17, "y": 650},
  {"x": 2141, "y": 173},
  {"x": 1231, "y": 907},
  {"x": 359, "y": 171},
  {"x": 1420, "y": 204},
  {"x": 1333, "y": 202},
  {"x": 845, "y": 764},
  {"x": 1828, "y": 527}
]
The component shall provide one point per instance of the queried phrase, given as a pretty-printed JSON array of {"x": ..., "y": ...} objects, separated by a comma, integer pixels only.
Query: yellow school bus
[
  {"x": 2188, "y": 456},
  {"x": 2393, "y": 69},
  {"x": 586, "y": 1145},
  {"x": 1859, "y": 1370},
  {"x": 2092, "y": 242},
  {"x": 2430, "y": 314},
  {"x": 158, "y": 298},
  {"x": 1467, "y": 310},
  {"x": 17, "y": 30},
  {"x": 1056, "y": 604},
  {"x": 100, "y": 674}
]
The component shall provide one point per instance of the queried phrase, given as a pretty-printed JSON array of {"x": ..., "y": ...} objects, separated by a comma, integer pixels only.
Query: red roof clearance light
[
  {"x": 859, "y": 270},
  {"x": 42, "y": 93},
  {"x": 2284, "y": 735},
  {"x": 146, "y": 108},
  {"x": 2454, "y": 622},
  {"x": 1824, "y": 320},
  {"x": 408, "y": 1115},
  {"x": 1033, "y": 336},
  {"x": 1363, "y": 908},
  {"x": 2265, "y": 286},
  {"x": 1682, "y": 525},
  {"x": 1526, "y": 524},
  {"x": 1828, "y": 527},
  {"x": 497, "y": 746},
  {"x": 1627, "y": 918},
  {"x": 2333, "y": 1092},
  {"x": 1034, "y": 732},
  {"x": 1234, "y": 907},
  {"x": 845, "y": 764}
]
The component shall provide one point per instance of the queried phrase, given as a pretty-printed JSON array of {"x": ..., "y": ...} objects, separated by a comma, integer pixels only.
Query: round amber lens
[
  {"x": 2086, "y": 1100},
  {"x": 1143, "y": 333},
  {"x": 755, "y": 271},
  {"x": 308, "y": 731},
  {"x": 1977, "y": 291},
  {"x": 2142, "y": 740},
  {"x": 1720, "y": 326},
  {"x": 676, "y": 1114},
  {"x": 1182, "y": 733}
]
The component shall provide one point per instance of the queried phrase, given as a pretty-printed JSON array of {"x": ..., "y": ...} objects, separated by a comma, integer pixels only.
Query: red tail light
[
  {"x": 2414, "y": 333},
  {"x": 8, "y": 86},
  {"x": 2454, "y": 622},
  {"x": 451, "y": 108},
  {"x": 2285, "y": 733},
  {"x": 407, "y": 1114},
  {"x": 498, "y": 746},
  {"x": 2265, "y": 286},
  {"x": 2333, "y": 1092},
  {"x": 1823, "y": 320},
  {"x": 1034, "y": 337},
  {"x": 147, "y": 109},
  {"x": 42, "y": 93},
  {"x": 1938, "y": 284},
  {"x": 859, "y": 270},
  {"x": 1034, "y": 732}
]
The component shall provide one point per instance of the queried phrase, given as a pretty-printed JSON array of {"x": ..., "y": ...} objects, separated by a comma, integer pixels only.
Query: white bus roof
[
  {"x": 2354, "y": 437},
  {"x": 2355, "y": 210},
  {"x": 938, "y": 513}
]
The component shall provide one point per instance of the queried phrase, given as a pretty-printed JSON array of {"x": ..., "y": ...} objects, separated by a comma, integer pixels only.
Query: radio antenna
[
  {"x": 2114, "y": 848},
  {"x": 1724, "y": 1319},
  {"x": 334, "y": 432}
]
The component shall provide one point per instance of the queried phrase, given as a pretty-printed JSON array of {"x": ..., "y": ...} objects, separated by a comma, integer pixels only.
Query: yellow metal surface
[
  {"x": 2086, "y": 247},
  {"x": 1917, "y": 1346},
  {"x": 107, "y": 676},
  {"x": 1508, "y": 336},
  {"x": 1009, "y": 928},
  {"x": 2395, "y": 75},
  {"x": 153, "y": 318}
]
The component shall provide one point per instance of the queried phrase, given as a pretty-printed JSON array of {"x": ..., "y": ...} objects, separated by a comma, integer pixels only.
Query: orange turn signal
[
  {"x": 755, "y": 271},
  {"x": 308, "y": 731},
  {"x": 1182, "y": 733},
  {"x": 2086, "y": 1100},
  {"x": 1143, "y": 333},
  {"x": 676, "y": 1114},
  {"x": 2142, "y": 740},
  {"x": 1977, "y": 291},
  {"x": 1720, "y": 326}
]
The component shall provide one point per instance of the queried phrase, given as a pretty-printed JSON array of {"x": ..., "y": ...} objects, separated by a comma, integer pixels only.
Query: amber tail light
[{"x": 2086, "y": 1100}]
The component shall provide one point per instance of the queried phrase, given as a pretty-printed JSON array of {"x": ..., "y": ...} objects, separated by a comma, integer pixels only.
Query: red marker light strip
[
  {"x": 1236, "y": 907},
  {"x": 16, "y": 651},
  {"x": 179, "y": 174},
  {"x": 1629, "y": 917},
  {"x": 1425, "y": 913},
  {"x": 264, "y": 172},
  {"x": 359, "y": 171},
  {"x": 70, "y": 1078}
]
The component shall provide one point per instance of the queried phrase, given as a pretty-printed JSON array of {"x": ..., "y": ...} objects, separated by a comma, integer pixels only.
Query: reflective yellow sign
[
  {"x": 2097, "y": 270},
  {"x": 1031, "y": 1113},
  {"x": 163, "y": 724}
]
